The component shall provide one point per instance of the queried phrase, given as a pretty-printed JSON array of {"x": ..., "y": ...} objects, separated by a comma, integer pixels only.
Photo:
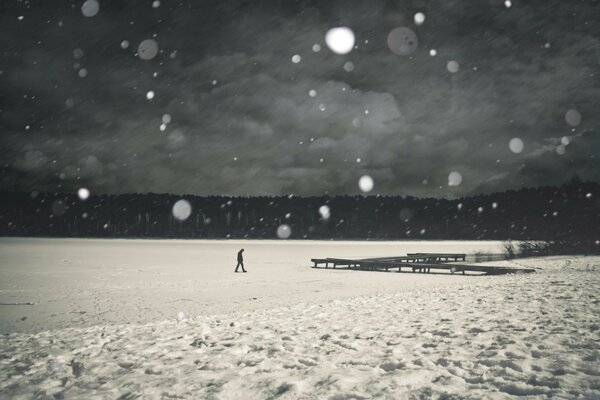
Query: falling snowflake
[
  {"x": 182, "y": 209},
  {"x": 365, "y": 183},
  {"x": 402, "y": 41},
  {"x": 83, "y": 193},
  {"x": 454, "y": 178},
  {"x": 340, "y": 40},
  {"x": 284, "y": 231},
  {"x": 452, "y": 66},
  {"x": 573, "y": 117},
  {"x": 325, "y": 212},
  {"x": 148, "y": 49},
  {"x": 90, "y": 8},
  {"x": 78, "y": 53},
  {"x": 516, "y": 145},
  {"x": 419, "y": 18}
]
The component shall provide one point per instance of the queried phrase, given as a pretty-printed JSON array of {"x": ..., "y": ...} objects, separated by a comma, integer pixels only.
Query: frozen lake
[
  {"x": 83, "y": 282},
  {"x": 104, "y": 324}
]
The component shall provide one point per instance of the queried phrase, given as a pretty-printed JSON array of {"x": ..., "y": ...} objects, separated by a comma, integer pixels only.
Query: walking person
[{"x": 240, "y": 261}]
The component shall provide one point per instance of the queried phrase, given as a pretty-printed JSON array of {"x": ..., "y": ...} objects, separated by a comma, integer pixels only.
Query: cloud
[{"x": 243, "y": 122}]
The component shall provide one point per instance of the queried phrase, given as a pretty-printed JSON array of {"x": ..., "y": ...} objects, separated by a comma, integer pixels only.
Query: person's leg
[
  {"x": 237, "y": 266},
  {"x": 243, "y": 270}
]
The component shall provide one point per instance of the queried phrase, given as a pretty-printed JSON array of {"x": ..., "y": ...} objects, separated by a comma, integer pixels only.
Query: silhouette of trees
[{"x": 566, "y": 213}]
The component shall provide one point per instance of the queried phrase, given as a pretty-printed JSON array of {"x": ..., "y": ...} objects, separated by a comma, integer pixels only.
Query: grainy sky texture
[{"x": 75, "y": 107}]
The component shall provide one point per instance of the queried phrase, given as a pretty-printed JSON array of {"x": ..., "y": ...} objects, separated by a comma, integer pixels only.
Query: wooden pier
[{"x": 417, "y": 262}]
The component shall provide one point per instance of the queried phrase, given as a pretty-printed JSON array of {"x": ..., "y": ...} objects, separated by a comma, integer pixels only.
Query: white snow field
[{"x": 126, "y": 319}]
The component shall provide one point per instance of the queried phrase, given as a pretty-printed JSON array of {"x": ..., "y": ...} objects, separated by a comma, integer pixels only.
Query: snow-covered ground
[{"x": 104, "y": 323}]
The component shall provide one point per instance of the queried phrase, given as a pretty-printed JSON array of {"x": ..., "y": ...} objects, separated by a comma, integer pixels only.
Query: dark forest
[{"x": 570, "y": 212}]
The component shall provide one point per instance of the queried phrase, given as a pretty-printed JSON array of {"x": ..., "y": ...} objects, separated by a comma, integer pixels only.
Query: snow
[
  {"x": 340, "y": 40},
  {"x": 452, "y": 66},
  {"x": 419, "y": 18},
  {"x": 403, "y": 41},
  {"x": 161, "y": 319},
  {"x": 365, "y": 183},
  {"x": 182, "y": 209},
  {"x": 148, "y": 49},
  {"x": 284, "y": 231},
  {"x": 573, "y": 117},
  {"x": 454, "y": 178},
  {"x": 516, "y": 145},
  {"x": 325, "y": 212},
  {"x": 83, "y": 193},
  {"x": 90, "y": 8},
  {"x": 78, "y": 53}
]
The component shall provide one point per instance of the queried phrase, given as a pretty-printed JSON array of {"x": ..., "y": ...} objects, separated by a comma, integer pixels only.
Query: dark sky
[{"x": 75, "y": 112}]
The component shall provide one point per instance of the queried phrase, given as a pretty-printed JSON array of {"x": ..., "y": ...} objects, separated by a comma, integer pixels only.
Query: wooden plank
[
  {"x": 318, "y": 261},
  {"x": 439, "y": 256},
  {"x": 381, "y": 264},
  {"x": 388, "y": 258}
]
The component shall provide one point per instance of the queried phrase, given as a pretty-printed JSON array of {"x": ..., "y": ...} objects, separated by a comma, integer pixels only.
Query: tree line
[{"x": 570, "y": 212}]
